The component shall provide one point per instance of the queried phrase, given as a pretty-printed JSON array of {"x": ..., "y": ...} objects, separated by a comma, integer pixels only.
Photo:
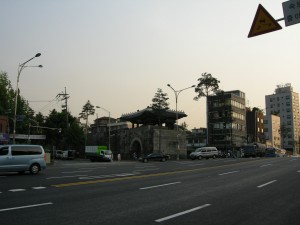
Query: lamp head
[{"x": 38, "y": 55}]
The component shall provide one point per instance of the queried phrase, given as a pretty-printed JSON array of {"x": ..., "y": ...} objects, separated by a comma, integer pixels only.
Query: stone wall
[{"x": 148, "y": 139}]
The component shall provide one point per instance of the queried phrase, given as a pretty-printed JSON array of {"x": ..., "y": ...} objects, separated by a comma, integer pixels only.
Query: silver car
[
  {"x": 205, "y": 152},
  {"x": 21, "y": 158}
]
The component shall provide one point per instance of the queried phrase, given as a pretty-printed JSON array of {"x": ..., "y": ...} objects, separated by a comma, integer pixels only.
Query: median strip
[{"x": 118, "y": 179}]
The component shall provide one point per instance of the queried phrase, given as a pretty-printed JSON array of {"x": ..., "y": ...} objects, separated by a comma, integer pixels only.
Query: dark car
[{"x": 154, "y": 157}]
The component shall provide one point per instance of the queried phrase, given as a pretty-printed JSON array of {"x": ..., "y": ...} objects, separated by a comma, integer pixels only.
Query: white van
[
  {"x": 21, "y": 158},
  {"x": 205, "y": 152}
]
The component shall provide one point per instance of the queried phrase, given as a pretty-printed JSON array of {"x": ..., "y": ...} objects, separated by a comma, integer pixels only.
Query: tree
[
  {"x": 6, "y": 95},
  {"x": 159, "y": 103},
  {"x": 184, "y": 126},
  {"x": 57, "y": 133},
  {"x": 87, "y": 110},
  {"x": 208, "y": 85}
]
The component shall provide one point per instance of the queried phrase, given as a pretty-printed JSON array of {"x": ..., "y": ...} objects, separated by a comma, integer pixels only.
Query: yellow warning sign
[{"x": 263, "y": 23}]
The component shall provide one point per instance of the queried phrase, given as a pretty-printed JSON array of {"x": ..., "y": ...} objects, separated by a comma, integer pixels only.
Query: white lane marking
[
  {"x": 182, "y": 163},
  {"x": 65, "y": 177},
  {"x": 146, "y": 170},
  {"x": 182, "y": 213},
  {"x": 107, "y": 176},
  {"x": 298, "y": 171},
  {"x": 201, "y": 164},
  {"x": 26, "y": 206},
  {"x": 221, "y": 174},
  {"x": 161, "y": 185},
  {"x": 2, "y": 176},
  {"x": 38, "y": 188},
  {"x": 266, "y": 165},
  {"x": 16, "y": 190},
  {"x": 143, "y": 167},
  {"x": 86, "y": 164},
  {"x": 260, "y": 186},
  {"x": 92, "y": 168},
  {"x": 230, "y": 160},
  {"x": 79, "y": 171}
]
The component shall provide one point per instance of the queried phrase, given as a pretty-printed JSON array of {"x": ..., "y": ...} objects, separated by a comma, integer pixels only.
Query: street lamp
[
  {"x": 176, "y": 99},
  {"x": 108, "y": 124},
  {"x": 20, "y": 68}
]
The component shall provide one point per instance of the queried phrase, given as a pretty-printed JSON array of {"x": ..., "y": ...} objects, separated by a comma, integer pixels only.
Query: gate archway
[{"x": 136, "y": 148}]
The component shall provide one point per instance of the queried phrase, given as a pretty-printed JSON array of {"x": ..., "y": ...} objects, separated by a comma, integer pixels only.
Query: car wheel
[
  {"x": 199, "y": 157},
  {"x": 145, "y": 160},
  {"x": 34, "y": 169},
  {"x": 214, "y": 157},
  {"x": 163, "y": 159}
]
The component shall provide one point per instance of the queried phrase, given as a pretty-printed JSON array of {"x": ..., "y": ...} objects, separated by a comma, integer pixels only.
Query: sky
[{"x": 117, "y": 53}]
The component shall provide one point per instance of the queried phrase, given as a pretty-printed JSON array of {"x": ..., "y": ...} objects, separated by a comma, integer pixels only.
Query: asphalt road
[{"x": 222, "y": 191}]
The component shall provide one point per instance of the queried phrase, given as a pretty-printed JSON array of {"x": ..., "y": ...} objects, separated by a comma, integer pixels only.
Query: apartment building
[
  {"x": 272, "y": 131},
  {"x": 227, "y": 120},
  {"x": 255, "y": 125},
  {"x": 285, "y": 104}
]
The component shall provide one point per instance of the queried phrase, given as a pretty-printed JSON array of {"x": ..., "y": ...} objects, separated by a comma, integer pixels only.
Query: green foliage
[
  {"x": 6, "y": 95},
  {"x": 207, "y": 85},
  {"x": 54, "y": 126},
  {"x": 64, "y": 137},
  {"x": 184, "y": 126},
  {"x": 159, "y": 102},
  {"x": 87, "y": 109}
]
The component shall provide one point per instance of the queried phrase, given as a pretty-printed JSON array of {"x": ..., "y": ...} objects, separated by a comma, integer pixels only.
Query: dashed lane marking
[
  {"x": 161, "y": 185},
  {"x": 26, "y": 206},
  {"x": 38, "y": 188},
  {"x": 16, "y": 190},
  {"x": 268, "y": 183},
  {"x": 182, "y": 213},
  {"x": 221, "y": 174}
]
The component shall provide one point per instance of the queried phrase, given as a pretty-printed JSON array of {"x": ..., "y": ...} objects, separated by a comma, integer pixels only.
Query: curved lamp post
[
  {"x": 20, "y": 68},
  {"x": 108, "y": 124},
  {"x": 176, "y": 99}
]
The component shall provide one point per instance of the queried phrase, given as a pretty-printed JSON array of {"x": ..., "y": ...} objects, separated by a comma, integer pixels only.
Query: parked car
[
  {"x": 154, "y": 157},
  {"x": 58, "y": 154},
  {"x": 21, "y": 158},
  {"x": 205, "y": 152}
]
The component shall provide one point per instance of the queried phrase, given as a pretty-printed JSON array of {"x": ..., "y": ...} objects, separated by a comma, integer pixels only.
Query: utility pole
[{"x": 65, "y": 97}]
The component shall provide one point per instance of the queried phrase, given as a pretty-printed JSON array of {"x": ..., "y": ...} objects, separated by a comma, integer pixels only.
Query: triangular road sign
[{"x": 263, "y": 23}]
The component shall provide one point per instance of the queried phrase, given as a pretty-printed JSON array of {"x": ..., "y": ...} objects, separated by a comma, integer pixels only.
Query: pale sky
[{"x": 117, "y": 53}]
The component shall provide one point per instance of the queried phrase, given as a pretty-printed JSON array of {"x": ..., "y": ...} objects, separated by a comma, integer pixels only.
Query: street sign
[
  {"x": 263, "y": 23},
  {"x": 291, "y": 11}
]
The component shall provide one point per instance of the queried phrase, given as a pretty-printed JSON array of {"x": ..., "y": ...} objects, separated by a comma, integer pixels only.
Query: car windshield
[{"x": 107, "y": 152}]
